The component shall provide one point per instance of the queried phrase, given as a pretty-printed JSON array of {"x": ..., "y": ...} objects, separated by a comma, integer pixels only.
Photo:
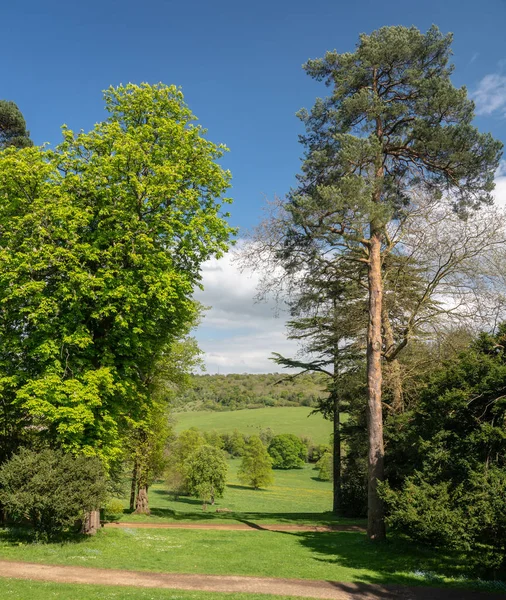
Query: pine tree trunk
[
  {"x": 133, "y": 487},
  {"x": 336, "y": 462},
  {"x": 376, "y": 521}
]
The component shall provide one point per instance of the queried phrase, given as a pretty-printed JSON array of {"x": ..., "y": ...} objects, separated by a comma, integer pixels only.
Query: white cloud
[
  {"x": 238, "y": 334},
  {"x": 490, "y": 96}
]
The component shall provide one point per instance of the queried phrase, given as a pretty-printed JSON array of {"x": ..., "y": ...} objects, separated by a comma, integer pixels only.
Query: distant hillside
[
  {"x": 297, "y": 420},
  {"x": 233, "y": 392}
]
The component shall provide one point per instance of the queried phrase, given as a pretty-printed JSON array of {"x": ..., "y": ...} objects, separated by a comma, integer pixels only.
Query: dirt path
[
  {"x": 235, "y": 526},
  {"x": 330, "y": 590}
]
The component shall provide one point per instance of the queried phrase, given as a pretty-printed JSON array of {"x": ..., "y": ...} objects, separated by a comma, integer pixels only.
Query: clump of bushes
[
  {"x": 287, "y": 451},
  {"x": 51, "y": 490}
]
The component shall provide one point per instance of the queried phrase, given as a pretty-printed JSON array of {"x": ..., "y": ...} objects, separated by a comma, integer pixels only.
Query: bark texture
[
  {"x": 376, "y": 523},
  {"x": 91, "y": 522},
  {"x": 142, "y": 504}
]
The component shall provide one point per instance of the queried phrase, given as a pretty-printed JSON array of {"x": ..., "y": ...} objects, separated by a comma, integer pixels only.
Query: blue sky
[{"x": 239, "y": 65}]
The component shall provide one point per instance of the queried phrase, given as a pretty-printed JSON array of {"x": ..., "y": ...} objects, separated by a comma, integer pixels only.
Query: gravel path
[{"x": 330, "y": 590}]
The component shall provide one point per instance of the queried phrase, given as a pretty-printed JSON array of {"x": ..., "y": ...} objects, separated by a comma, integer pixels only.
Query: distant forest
[{"x": 234, "y": 391}]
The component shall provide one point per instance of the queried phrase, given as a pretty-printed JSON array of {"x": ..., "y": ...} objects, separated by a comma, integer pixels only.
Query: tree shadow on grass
[
  {"x": 396, "y": 561},
  {"x": 18, "y": 535}
]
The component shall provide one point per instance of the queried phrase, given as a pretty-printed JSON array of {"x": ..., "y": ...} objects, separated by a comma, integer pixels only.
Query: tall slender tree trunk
[
  {"x": 133, "y": 486},
  {"x": 336, "y": 457},
  {"x": 376, "y": 522}
]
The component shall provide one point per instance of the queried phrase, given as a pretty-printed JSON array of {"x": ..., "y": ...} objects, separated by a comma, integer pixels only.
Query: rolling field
[
  {"x": 284, "y": 419},
  {"x": 297, "y": 496}
]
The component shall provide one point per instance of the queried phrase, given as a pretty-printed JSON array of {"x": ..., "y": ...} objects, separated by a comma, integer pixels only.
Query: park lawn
[
  {"x": 297, "y": 496},
  {"x": 281, "y": 419},
  {"x": 18, "y": 589},
  {"x": 338, "y": 556}
]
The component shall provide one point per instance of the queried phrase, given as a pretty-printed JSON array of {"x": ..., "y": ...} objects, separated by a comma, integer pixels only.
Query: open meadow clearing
[
  {"x": 293, "y": 419},
  {"x": 297, "y": 496}
]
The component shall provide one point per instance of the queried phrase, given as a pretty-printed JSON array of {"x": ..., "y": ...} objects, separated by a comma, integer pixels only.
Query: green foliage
[
  {"x": 325, "y": 467},
  {"x": 207, "y": 473},
  {"x": 256, "y": 465},
  {"x": 50, "y": 489},
  {"x": 287, "y": 451},
  {"x": 213, "y": 438},
  {"x": 180, "y": 452},
  {"x": 113, "y": 509},
  {"x": 236, "y": 391},
  {"x": 13, "y": 126},
  {"x": 101, "y": 248},
  {"x": 447, "y": 458},
  {"x": 234, "y": 443}
]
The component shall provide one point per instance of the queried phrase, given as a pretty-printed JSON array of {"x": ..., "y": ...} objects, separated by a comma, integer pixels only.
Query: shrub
[
  {"x": 324, "y": 466},
  {"x": 287, "y": 451},
  {"x": 52, "y": 490},
  {"x": 113, "y": 509}
]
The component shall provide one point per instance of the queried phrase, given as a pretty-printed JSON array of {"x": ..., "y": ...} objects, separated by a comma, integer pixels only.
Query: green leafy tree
[
  {"x": 256, "y": 465},
  {"x": 392, "y": 123},
  {"x": 52, "y": 490},
  {"x": 101, "y": 246},
  {"x": 234, "y": 443},
  {"x": 287, "y": 451},
  {"x": 180, "y": 452},
  {"x": 207, "y": 474},
  {"x": 13, "y": 126}
]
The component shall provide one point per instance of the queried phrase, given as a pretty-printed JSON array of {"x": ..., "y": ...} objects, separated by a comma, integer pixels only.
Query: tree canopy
[{"x": 101, "y": 243}]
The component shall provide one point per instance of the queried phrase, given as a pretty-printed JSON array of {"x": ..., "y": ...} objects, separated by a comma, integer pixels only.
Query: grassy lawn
[
  {"x": 15, "y": 589},
  {"x": 339, "y": 556},
  {"x": 297, "y": 496},
  {"x": 284, "y": 419}
]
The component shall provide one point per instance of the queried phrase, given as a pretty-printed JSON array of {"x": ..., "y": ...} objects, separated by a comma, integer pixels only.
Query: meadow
[
  {"x": 336, "y": 556},
  {"x": 293, "y": 419},
  {"x": 297, "y": 496}
]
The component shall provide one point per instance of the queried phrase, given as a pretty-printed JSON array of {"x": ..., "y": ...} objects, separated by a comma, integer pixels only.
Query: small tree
[
  {"x": 13, "y": 126},
  {"x": 52, "y": 490},
  {"x": 181, "y": 451},
  {"x": 324, "y": 466},
  {"x": 256, "y": 464},
  {"x": 287, "y": 451},
  {"x": 207, "y": 474}
]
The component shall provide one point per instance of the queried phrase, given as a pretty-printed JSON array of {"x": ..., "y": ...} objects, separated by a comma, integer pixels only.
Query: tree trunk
[
  {"x": 142, "y": 504},
  {"x": 376, "y": 520},
  {"x": 91, "y": 522},
  {"x": 133, "y": 487},
  {"x": 336, "y": 462}
]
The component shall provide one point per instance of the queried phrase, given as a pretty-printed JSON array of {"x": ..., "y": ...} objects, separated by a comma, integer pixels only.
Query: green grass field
[
  {"x": 337, "y": 556},
  {"x": 297, "y": 496},
  {"x": 15, "y": 589},
  {"x": 284, "y": 419}
]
